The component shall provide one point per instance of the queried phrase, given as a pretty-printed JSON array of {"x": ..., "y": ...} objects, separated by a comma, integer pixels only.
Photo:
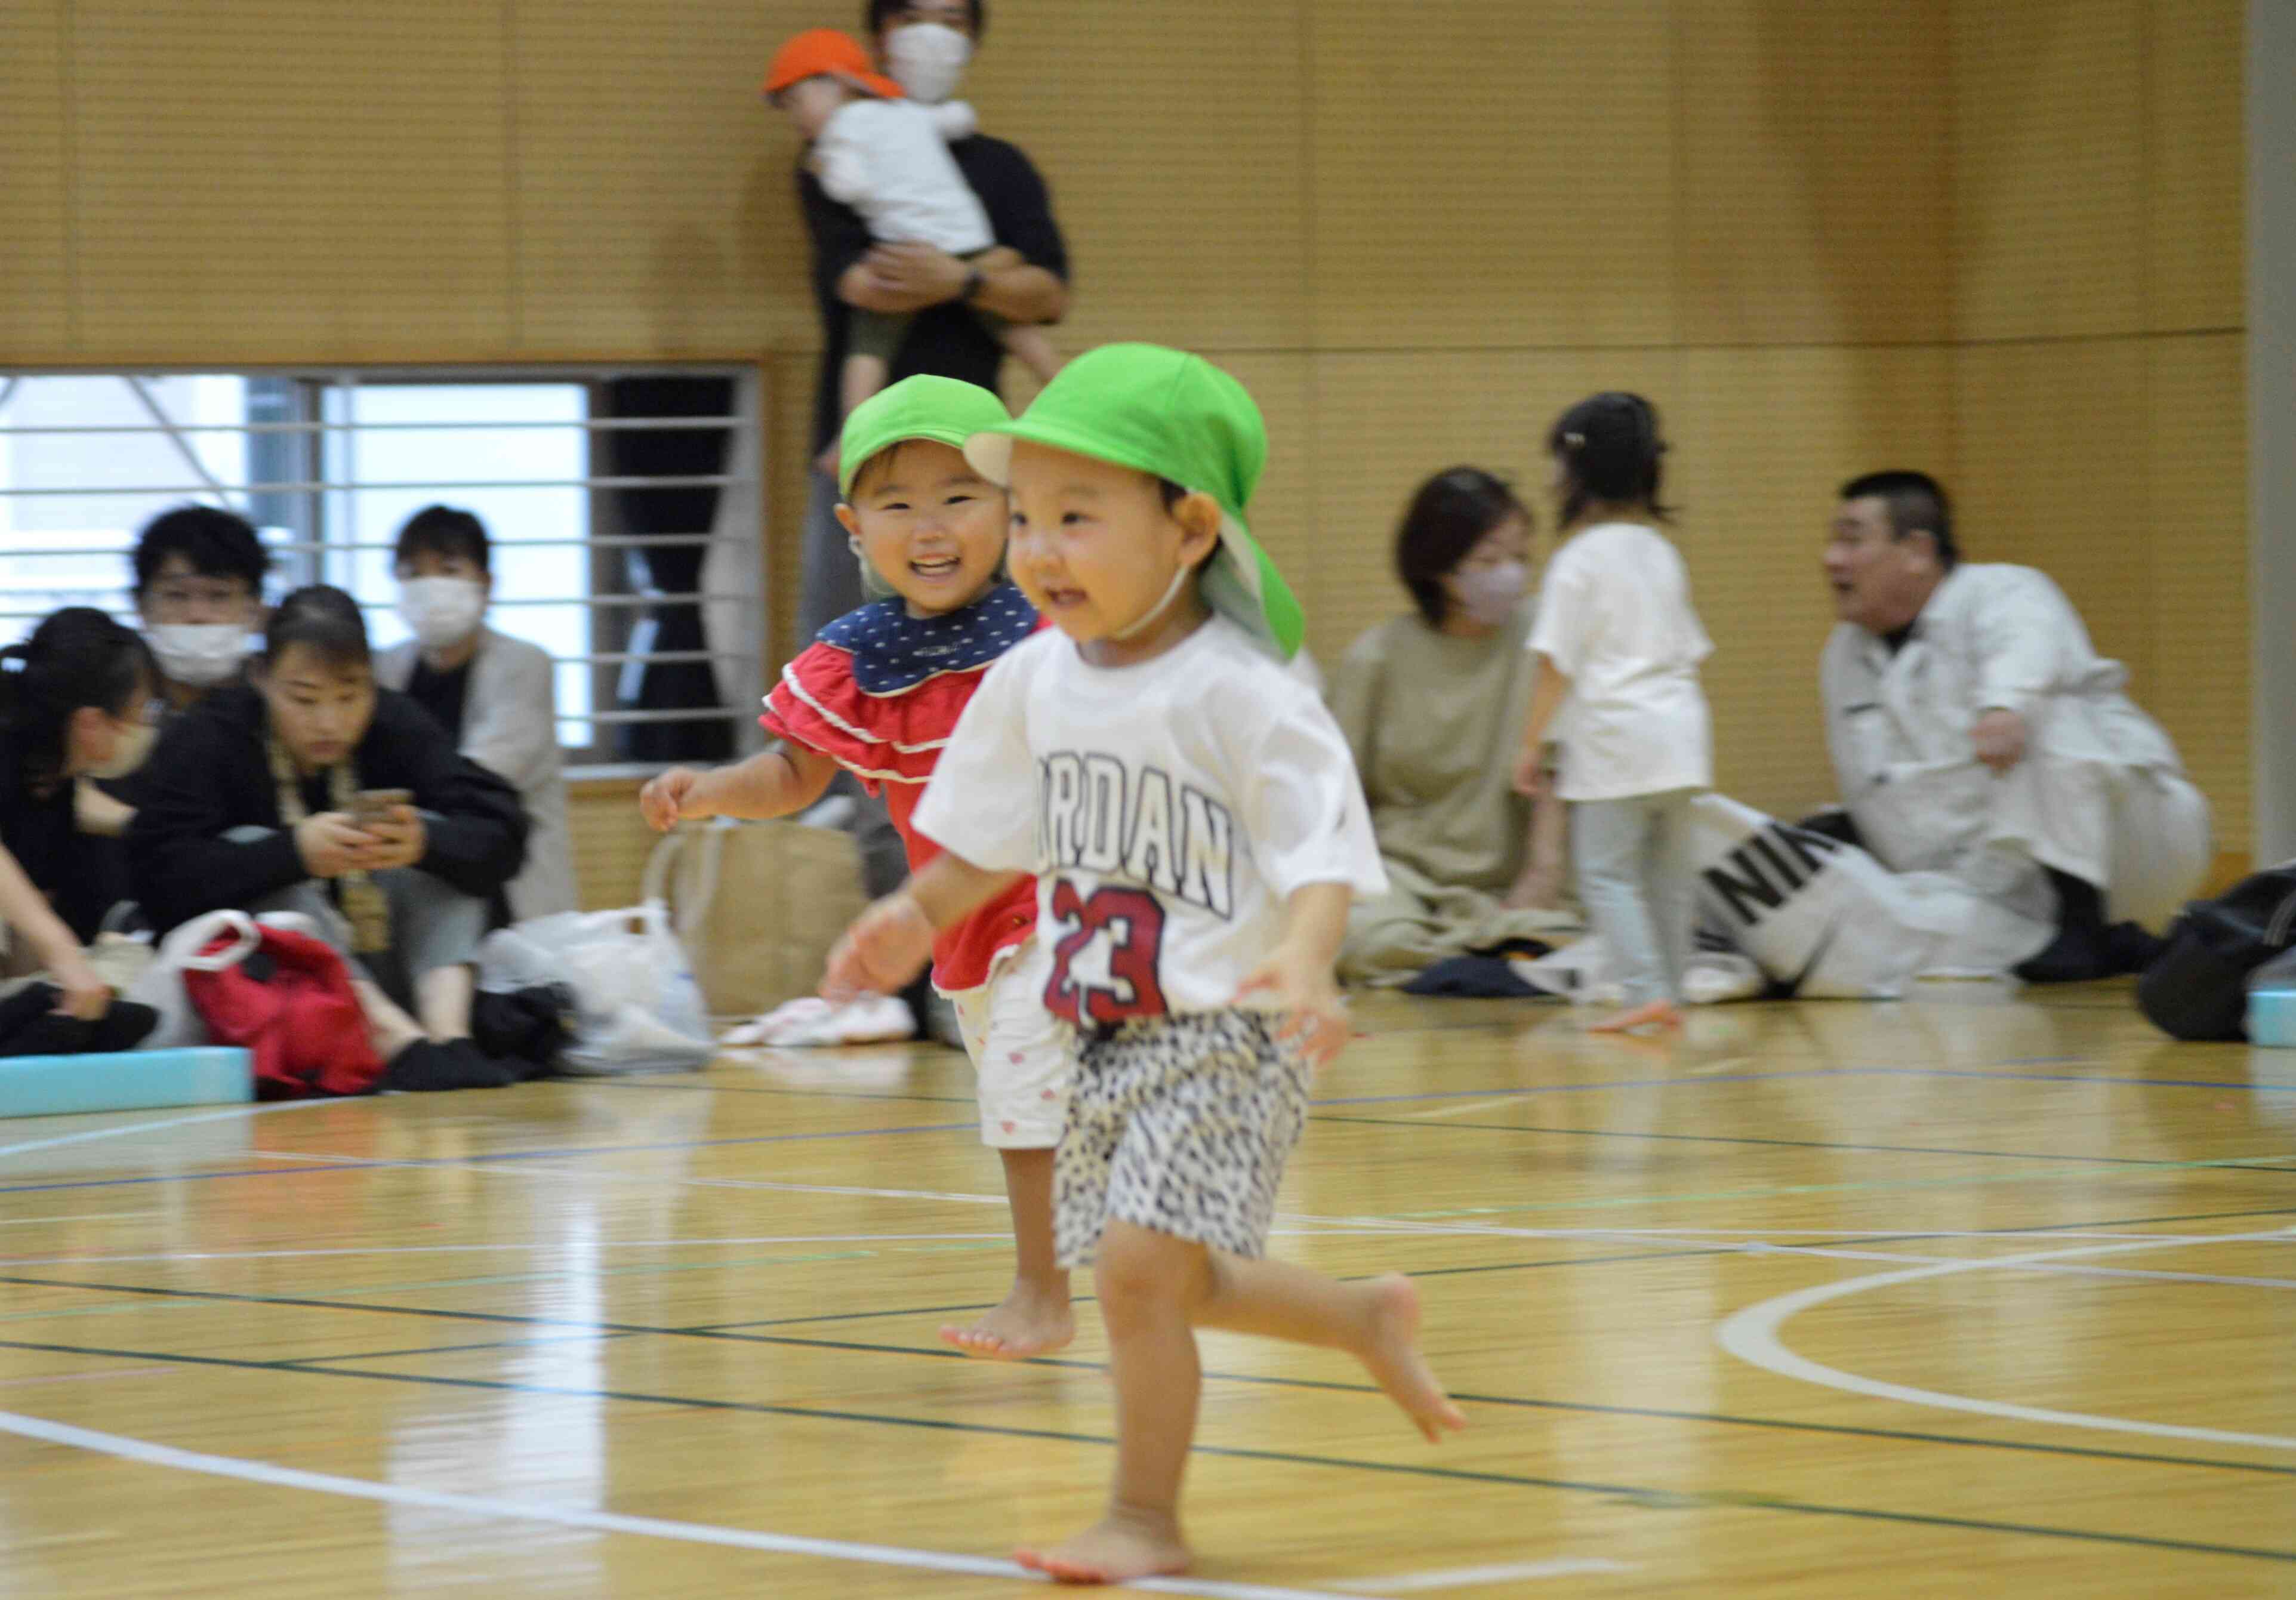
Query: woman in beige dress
[{"x": 1430, "y": 701}]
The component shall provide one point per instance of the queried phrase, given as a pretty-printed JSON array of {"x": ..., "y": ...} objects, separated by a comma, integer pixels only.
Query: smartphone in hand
[{"x": 373, "y": 805}]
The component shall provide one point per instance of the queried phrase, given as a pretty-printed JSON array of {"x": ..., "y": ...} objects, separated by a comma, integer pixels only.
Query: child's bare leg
[
  {"x": 1150, "y": 1286},
  {"x": 1035, "y": 1320},
  {"x": 1376, "y": 1322},
  {"x": 1034, "y": 347}
]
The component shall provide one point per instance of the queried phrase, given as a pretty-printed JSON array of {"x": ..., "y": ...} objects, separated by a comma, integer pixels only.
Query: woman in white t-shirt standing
[{"x": 1619, "y": 648}]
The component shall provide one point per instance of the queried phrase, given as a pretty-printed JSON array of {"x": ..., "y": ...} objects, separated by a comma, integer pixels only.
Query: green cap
[
  {"x": 944, "y": 410},
  {"x": 1178, "y": 416}
]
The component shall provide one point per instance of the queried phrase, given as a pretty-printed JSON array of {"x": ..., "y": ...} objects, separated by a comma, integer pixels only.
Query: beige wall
[{"x": 1997, "y": 239}]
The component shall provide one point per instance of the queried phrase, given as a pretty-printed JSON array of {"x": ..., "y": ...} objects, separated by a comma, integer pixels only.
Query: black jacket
[{"x": 211, "y": 774}]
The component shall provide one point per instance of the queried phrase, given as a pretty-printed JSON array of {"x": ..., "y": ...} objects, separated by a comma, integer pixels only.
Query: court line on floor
[
  {"x": 1752, "y": 1335},
  {"x": 149, "y": 1453},
  {"x": 1637, "y": 1494},
  {"x": 501, "y": 1161},
  {"x": 1461, "y": 1577},
  {"x": 2248, "y": 1085},
  {"x": 2137, "y": 1273},
  {"x": 1422, "y": 1121},
  {"x": 237, "y": 1113},
  {"x": 742, "y": 1333}
]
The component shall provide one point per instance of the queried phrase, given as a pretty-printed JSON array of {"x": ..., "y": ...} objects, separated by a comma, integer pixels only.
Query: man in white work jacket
[{"x": 1976, "y": 731}]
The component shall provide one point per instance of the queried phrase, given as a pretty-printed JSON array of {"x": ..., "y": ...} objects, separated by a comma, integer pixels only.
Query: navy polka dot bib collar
[{"x": 893, "y": 651}]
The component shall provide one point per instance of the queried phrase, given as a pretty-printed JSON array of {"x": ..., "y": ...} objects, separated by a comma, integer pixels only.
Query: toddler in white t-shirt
[
  {"x": 1197, "y": 830},
  {"x": 886, "y": 156},
  {"x": 1619, "y": 647}
]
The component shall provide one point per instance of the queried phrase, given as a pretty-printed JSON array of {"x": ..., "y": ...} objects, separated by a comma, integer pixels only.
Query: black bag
[{"x": 2197, "y": 988}]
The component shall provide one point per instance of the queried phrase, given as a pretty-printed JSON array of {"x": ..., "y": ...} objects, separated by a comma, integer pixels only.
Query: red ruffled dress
[{"x": 879, "y": 693}]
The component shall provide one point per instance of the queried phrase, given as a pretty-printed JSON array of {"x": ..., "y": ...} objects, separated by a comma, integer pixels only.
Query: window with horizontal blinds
[{"x": 587, "y": 478}]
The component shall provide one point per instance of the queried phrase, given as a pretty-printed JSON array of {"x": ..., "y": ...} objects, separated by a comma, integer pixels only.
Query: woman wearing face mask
[
  {"x": 74, "y": 704},
  {"x": 1431, "y": 702},
  {"x": 495, "y": 694},
  {"x": 261, "y": 799}
]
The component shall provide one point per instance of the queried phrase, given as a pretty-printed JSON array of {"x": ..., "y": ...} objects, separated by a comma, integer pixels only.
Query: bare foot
[
  {"x": 1391, "y": 1349},
  {"x": 1657, "y": 1013},
  {"x": 1122, "y": 1546},
  {"x": 1034, "y": 1320}
]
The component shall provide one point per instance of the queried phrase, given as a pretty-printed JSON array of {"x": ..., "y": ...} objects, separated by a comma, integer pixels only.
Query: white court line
[
  {"x": 1459, "y": 1577},
  {"x": 228, "y": 1114},
  {"x": 152, "y": 1454},
  {"x": 83, "y": 1217},
  {"x": 1471, "y": 1105},
  {"x": 453, "y": 1250},
  {"x": 1752, "y": 1336}
]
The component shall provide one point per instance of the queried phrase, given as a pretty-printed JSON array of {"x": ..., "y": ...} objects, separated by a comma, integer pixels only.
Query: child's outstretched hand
[
  {"x": 662, "y": 801},
  {"x": 888, "y": 944},
  {"x": 1314, "y": 1014}
]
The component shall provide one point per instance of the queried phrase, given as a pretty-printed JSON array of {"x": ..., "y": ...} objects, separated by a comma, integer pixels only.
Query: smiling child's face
[
  {"x": 1093, "y": 545},
  {"x": 928, "y": 523}
]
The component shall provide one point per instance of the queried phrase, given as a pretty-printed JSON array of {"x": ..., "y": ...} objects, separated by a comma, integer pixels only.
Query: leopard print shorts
[{"x": 1181, "y": 1125}]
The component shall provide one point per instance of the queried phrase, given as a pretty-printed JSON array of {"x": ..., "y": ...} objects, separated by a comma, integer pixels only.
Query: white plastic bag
[
  {"x": 160, "y": 985},
  {"x": 637, "y": 1007}
]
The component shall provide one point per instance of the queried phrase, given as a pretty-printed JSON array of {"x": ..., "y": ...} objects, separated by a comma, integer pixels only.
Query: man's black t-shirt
[
  {"x": 441, "y": 693},
  {"x": 947, "y": 340}
]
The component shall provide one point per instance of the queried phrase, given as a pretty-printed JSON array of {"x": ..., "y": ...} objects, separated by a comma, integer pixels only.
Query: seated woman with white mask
[
  {"x": 1430, "y": 702},
  {"x": 75, "y": 702},
  {"x": 278, "y": 796},
  {"x": 496, "y": 694}
]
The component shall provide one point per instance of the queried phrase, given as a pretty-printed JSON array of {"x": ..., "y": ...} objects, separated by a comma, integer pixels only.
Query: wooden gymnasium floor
[{"x": 1839, "y": 1299}]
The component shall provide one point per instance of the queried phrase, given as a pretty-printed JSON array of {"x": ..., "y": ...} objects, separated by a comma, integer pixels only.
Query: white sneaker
[{"x": 814, "y": 1023}]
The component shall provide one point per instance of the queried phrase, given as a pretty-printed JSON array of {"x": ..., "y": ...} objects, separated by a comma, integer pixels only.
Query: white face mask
[
  {"x": 928, "y": 59},
  {"x": 1487, "y": 596},
  {"x": 128, "y": 753},
  {"x": 198, "y": 655},
  {"x": 441, "y": 611}
]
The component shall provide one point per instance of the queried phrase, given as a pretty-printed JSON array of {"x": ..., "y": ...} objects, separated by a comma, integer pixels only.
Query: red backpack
[{"x": 298, "y": 1018}]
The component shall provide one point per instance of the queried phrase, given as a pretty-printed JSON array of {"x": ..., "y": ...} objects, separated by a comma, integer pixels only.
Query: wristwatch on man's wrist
[{"x": 974, "y": 281}]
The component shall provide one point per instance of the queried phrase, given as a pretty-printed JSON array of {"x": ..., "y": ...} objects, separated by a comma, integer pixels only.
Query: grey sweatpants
[
  {"x": 434, "y": 924},
  {"x": 1638, "y": 882}
]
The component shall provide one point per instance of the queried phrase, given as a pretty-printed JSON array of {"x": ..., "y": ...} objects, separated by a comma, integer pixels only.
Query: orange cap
[{"x": 825, "y": 52}]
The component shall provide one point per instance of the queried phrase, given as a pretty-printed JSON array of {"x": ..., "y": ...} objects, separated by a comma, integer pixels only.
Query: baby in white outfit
[{"x": 886, "y": 156}]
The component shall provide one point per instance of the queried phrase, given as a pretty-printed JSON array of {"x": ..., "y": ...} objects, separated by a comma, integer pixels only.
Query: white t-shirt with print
[
  {"x": 1614, "y": 616},
  {"x": 1169, "y": 809}
]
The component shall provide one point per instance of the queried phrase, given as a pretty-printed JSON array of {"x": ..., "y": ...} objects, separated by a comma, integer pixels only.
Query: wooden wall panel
[
  {"x": 1492, "y": 174},
  {"x": 1764, "y": 437},
  {"x": 2051, "y": 447},
  {"x": 2048, "y": 168},
  {"x": 35, "y": 256},
  {"x": 1813, "y": 181},
  {"x": 2196, "y": 432},
  {"x": 2197, "y": 243},
  {"x": 278, "y": 178},
  {"x": 656, "y": 212},
  {"x": 611, "y": 841},
  {"x": 1173, "y": 136}
]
